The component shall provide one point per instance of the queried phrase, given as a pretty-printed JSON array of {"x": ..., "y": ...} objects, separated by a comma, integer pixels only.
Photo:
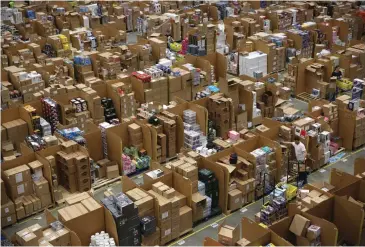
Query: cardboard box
[
  {"x": 234, "y": 199},
  {"x": 243, "y": 242},
  {"x": 4, "y": 196},
  {"x": 17, "y": 175},
  {"x": 7, "y": 209},
  {"x": 41, "y": 187},
  {"x": 299, "y": 225},
  {"x": 228, "y": 235},
  {"x": 112, "y": 171},
  {"x": 186, "y": 219},
  {"x": 8, "y": 220}
]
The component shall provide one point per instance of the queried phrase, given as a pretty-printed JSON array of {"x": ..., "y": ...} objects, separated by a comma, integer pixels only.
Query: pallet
[
  {"x": 306, "y": 97},
  {"x": 339, "y": 151},
  {"x": 33, "y": 214},
  {"x": 185, "y": 232},
  {"x": 101, "y": 182},
  {"x": 169, "y": 159}
]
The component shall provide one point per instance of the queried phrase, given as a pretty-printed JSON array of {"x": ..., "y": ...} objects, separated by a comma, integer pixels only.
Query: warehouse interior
[{"x": 182, "y": 123}]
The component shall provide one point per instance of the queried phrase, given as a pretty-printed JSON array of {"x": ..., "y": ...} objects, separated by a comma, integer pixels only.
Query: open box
[
  {"x": 345, "y": 215},
  {"x": 328, "y": 231},
  {"x": 261, "y": 141},
  {"x": 117, "y": 137},
  {"x": 259, "y": 236},
  {"x": 228, "y": 172}
]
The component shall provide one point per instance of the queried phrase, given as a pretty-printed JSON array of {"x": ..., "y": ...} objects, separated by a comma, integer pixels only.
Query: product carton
[
  {"x": 228, "y": 235},
  {"x": 299, "y": 225},
  {"x": 234, "y": 199}
]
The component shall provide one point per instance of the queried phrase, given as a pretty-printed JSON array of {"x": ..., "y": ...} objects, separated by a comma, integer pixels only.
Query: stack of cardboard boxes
[
  {"x": 169, "y": 130},
  {"x": 109, "y": 65},
  {"x": 359, "y": 135},
  {"x": 158, "y": 48},
  {"x": 242, "y": 183},
  {"x": 15, "y": 131},
  {"x": 82, "y": 206},
  {"x": 127, "y": 106},
  {"x": 29, "y": 196},
  {"x": 219, "y": 111},
  {"x": 8, "y": 214},
  {"x": 331, "y": 112},
  {"x": 36, "y": 236},
  {"x": 173, "y": 216},
  {"x": 135, "y": 136},
  {"x": 74, "y": 167}
]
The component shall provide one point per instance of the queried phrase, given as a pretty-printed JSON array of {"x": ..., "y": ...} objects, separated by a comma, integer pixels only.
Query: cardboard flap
[
  {"x": 252, "y": 231},
  {"x": 341, "y": 179},
  {"x": 182, "y": 185},
  {"x": 349, "y": 219},
  {"x": 49, "y": 217},
  {"x": 211, "y": 242},
  {"x": 359, "y": 166},
  {"x": 128, "y": 184},
  {"x": 110, "y": 226}
]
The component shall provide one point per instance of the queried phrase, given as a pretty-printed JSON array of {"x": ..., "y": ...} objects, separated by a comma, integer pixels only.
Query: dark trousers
[{"x": 303, "y": 177}]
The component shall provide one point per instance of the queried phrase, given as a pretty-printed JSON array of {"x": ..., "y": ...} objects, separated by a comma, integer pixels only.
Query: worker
[
  {"x": 300, "y": 155},
  {"x": 337, "y": 72}
]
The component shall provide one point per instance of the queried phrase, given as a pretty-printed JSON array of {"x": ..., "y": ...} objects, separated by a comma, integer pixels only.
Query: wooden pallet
[
  {"x": 101, "y": 182},
  {"x": 306, "y": 97}
]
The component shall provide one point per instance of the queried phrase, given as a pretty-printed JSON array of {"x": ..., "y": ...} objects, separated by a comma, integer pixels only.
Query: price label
[
  {"x": 181, "y": 242},
  {"x": 214, "y": 225},
  {"x": 243, "y": 210}
]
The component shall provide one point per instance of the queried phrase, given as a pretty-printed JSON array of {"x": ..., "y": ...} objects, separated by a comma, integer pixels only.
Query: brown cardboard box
[
  {"x": 7, "y": 209},
  {"x": 19, "y": 174},
  {"x": 46, "y": 200},
  {"x": 20, "y": 213},
  {"x": 163, "y": 211},
  {"x": 228, "y": 235},
  {"x": 64, "y": 237},
  {"x": 21, "y": 189},
  {"x": 36, "y": 229},
  {"x": 302, "y": 241},
  {"x": 299, "y": 225},
  {"x": 234, "y": 199},
  {"x": 243, "y": 242},
  {"x": 186, "y": 219},
  {"x": 197, "y": 205},
  {"x": 4, "y": 196},
  {"x": 35, "y": 166},
  {"x": 112, "y": 171},
  {"x": 170, "y": 193},
  {"x": 8, "y": 220},
  {"x": 152, "y": 239},
  {"x": 41, "y": 187}
]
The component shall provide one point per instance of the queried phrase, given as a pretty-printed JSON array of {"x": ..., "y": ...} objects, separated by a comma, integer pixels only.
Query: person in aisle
[
  {"x": 301, "y": 156},
  {"x": 337, "y": 72}
]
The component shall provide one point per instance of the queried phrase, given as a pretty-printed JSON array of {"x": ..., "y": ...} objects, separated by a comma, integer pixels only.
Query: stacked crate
[
  {"x": 74, "y": 168},
  {"x": 135, "y": 136},
  {"x": 220, "y": 114}
]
